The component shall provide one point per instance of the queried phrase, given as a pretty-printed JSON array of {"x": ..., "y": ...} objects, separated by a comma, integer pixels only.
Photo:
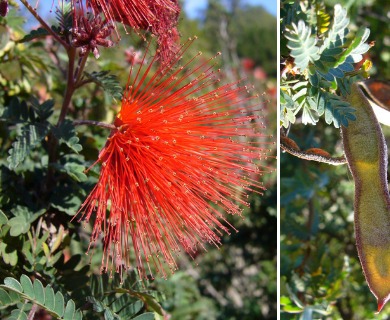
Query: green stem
[
  {"x": 44, "y": 24},
  {"x": 295, "y": 151}
]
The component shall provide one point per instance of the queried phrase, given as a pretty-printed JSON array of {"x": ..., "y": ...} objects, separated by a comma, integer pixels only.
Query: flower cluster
[
  {"x": 158, "y": 17},
  {"x": 91, "y": 33},
  {"x": 184, "y": 150}
]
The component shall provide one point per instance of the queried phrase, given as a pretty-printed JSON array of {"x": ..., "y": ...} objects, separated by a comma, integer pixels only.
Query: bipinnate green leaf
[
  {"x": 357, "y": 46},
  {"x": 117, "y": 300},
  {"x": 327, "y": 67},
  {"x": 108, "y": 82},
  {"x": 35, "y": 34},
  {"x": 14, "y": 291},
  {"x": 302, "y": 44},
  {"x": 99, "y": 284},
  {"x": 336, "y": 62},
  {"x": 31, "y": 135},
  {"x": 122, "y": 307},
  {"x": 132, "y": 308},
  {"x": 66, "y": 134},
  {"x": 338, "y": 111},
  {"x": 147, "y": 298},
  {"x": 64, "y": 17},
  {"x": 338, "y": 31}
]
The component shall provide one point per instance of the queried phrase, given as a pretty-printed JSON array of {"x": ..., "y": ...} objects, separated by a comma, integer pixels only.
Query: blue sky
[{"x": 194, "y": 7}]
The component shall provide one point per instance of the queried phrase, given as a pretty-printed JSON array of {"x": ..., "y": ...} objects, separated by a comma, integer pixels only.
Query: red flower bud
[{"x": 4, "y": 8}]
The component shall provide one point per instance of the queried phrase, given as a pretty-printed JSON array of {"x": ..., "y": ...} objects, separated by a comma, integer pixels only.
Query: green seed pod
[{"x": 366, "y": 153}]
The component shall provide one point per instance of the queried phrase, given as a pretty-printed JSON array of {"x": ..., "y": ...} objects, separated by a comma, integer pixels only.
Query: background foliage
[
  {"x": 321, "y": 277},
  {"x": 43, "y": 265}
]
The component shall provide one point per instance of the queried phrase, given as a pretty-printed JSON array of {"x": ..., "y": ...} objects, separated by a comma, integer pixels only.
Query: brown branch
[{"x": 289, "y": 145}]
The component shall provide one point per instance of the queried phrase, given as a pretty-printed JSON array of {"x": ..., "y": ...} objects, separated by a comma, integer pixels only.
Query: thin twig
[
  {"x": 83, "y": 82},
  {"x": 336, "y": 161},
  {"x": 94, "y": 123},
  {"x": 43, "y": 23}
]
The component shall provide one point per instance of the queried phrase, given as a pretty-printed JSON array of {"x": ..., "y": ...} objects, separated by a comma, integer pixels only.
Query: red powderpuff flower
[
  {"x": 178, "y": 158},
  {"x": 160, "y": 17}
]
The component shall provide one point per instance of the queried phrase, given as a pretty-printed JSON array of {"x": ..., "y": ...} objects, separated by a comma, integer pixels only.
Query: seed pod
[{"x": 366, "y": 153}]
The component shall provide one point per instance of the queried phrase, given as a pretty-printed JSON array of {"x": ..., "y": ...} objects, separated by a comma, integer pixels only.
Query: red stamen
[{"x": 180, "y": 158}]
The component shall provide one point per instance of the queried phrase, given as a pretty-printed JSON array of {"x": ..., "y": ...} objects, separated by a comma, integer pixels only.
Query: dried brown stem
[{"x": 294, "y": 150}]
